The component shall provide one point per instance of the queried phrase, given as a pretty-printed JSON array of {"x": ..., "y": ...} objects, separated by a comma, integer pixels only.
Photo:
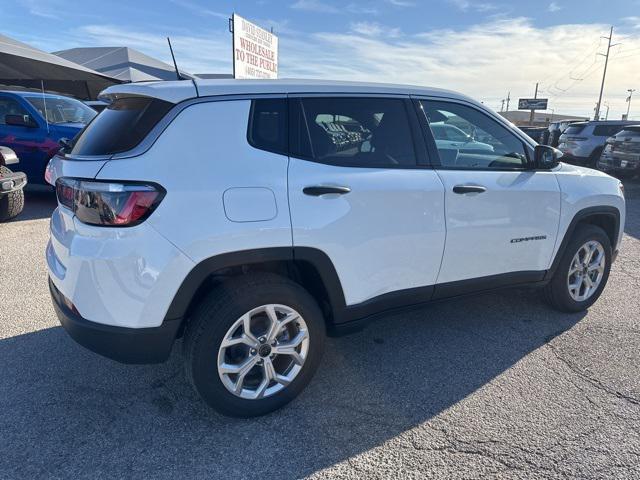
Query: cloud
[
  {"x": 633, "y": 21},
  {"x": 470, "y": 5},
  {"x": 484, "y": 60},
  {"x": 554, "y": 7},
  {"x": 206, "y": 53},
  {"x": 39, "y": 9},
  {"x": 318, "y": 6},
  {"x": 402, "y": 3},
  {"x": 199, "y": 9},
  {"x": 374, "y": 29}
]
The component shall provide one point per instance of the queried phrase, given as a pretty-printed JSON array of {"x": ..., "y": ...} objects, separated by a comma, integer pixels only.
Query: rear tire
[
  {"x": 11, "y": 204},
  {"x": 214, "y": 322},
  {"x": 558, "y": 292},
  {"x": 595, "y": 158}
]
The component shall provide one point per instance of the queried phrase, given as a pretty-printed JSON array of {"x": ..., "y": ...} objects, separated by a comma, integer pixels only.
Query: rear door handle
[
  {"x": 318, "y": 190},
  {"x": 462, "y": 189}
]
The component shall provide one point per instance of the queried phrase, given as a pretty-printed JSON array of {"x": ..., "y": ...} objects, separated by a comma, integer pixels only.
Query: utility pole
[
  {"x": 502, "y": 106},
  {"x": 604, "y": 73},
  {"x": 508, "y": 99},
  {"x": 631, "y": 90},
  {"x": 535, "y": 95}
]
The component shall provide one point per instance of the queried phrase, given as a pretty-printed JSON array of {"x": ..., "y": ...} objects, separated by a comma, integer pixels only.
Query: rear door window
[
  {"x": 121, "y": 126},
  {"x": 354, "y": 132}
]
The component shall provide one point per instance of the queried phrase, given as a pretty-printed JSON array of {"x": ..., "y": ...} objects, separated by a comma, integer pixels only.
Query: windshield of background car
[
  {"x": 629, "y": 132},
  {"x": 62, "y": 110}
]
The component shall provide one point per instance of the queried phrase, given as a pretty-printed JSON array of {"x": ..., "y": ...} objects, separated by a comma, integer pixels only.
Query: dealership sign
[
  {"x": 532, "y": 103},
  {"x": 255, "y": 50}
]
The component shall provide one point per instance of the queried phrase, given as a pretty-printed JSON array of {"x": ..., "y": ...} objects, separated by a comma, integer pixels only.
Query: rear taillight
[{"x": 111, "y": 204}]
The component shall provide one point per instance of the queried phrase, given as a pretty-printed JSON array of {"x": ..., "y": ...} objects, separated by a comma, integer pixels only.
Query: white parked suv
[{"x": 251, "y": 218}]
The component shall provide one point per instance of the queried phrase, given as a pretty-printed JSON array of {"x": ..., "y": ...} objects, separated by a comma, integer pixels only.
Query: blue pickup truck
[{"x": 32, "y": 123}]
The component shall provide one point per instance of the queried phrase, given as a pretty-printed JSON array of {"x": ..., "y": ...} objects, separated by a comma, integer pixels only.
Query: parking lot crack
[{"x": 592, "y": 380}]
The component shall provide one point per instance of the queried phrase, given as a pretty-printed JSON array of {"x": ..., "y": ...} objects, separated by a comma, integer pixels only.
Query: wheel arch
[
  {"x": 605, "y": 217},
  {"x": 307, "y": 266}
]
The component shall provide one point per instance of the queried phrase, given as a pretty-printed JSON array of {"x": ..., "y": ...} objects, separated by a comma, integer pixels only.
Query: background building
[
  {"x": 540, "y": 119},
  {"x": 122, "y": 63}
]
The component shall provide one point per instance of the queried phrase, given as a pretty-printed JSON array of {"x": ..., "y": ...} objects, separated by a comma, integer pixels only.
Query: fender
[
  {"x": 581, "y": 215},
  {"x": 294, "y": 255}
]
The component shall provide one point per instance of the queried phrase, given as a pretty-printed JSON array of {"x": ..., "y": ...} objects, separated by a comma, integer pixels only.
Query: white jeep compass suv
[{"x": 251, "y": 218}]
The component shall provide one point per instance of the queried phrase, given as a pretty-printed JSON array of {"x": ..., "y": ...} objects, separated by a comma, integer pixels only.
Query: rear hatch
[{"x": 120, "y": 130}]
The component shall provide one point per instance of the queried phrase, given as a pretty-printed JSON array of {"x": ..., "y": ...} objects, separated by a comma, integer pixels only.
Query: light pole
[{"x": 630, "y": 90}]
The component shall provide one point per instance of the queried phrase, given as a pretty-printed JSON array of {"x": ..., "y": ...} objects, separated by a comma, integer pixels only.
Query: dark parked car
[
  {"x": 621, "y": 154},
  {"x": 32, "y": 124},
  {"x": 534, "y": 132}
]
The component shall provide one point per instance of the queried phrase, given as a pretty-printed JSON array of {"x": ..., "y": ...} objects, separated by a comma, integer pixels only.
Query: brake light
[{"x": 111, "y": 204}]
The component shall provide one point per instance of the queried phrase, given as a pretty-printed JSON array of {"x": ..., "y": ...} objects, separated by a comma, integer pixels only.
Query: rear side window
[
  {"x": 354, "y": 132},
  {"x": 268, "y": 125},
  {"x": 574, "y": 129},
  {"x": 606, "y": 130},
  {"x": 121, "y": 126}
]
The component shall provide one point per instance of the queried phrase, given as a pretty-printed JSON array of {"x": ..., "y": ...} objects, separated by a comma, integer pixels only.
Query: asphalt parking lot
[{"x": 497, "y": 385}]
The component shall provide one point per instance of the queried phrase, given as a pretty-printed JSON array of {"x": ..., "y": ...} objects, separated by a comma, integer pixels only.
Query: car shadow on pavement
[
  {"x": 68, "y": 413},
  {"x": 37, "y": 204}
]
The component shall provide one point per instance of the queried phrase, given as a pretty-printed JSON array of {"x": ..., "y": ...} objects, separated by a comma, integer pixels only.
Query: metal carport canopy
[{"x": 24, "y": 66}]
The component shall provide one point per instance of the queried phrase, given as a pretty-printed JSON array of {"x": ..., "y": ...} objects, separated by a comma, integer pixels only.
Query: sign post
[{"x": 255, "y": 50}]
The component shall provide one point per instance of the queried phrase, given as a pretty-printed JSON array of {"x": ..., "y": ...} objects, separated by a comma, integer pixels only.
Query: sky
[{"x": 483, "y": 48}]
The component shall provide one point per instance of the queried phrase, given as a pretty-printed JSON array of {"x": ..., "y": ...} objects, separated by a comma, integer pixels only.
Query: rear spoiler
[{"x": 173, "y": 92}]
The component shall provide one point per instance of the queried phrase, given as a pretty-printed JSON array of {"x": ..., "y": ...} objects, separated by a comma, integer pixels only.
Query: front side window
[
  {"x": 9, "y": 106},
  {"x": 355, "y": 132},
  {"x": 58, "y": 110},
  {"x": 467, "y": 138}
]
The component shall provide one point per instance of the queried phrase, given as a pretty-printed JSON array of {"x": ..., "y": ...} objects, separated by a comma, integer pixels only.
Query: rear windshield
[
  {"x": 121, "y": 126},
  {"x": 574, "y": 129},
  {"x": 606, "y": 130}
]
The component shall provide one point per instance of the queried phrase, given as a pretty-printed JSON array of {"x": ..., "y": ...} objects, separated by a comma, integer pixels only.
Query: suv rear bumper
[{"x": 125, "y": 345}]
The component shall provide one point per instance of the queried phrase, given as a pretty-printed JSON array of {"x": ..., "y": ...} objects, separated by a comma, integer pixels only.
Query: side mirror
[
  {"x": 546, "y": 157},
  {"x": 19, "y": 121}
]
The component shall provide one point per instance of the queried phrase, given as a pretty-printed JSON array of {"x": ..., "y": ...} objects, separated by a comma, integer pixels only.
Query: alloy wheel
[
  {"x": 263, "y": 351},
  {"x": 586, "y": 271}
]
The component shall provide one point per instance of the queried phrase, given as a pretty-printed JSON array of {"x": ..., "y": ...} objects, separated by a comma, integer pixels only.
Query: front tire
[
  {"x": 582, "y": 272},
  {"x": 253, "y": 344},
  {"x": 11, "y": 204}
]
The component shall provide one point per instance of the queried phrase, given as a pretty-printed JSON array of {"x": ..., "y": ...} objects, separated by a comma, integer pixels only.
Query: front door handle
[
  {"x": 462, "y": 189},
  {"x": 318, "y": 190}
]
